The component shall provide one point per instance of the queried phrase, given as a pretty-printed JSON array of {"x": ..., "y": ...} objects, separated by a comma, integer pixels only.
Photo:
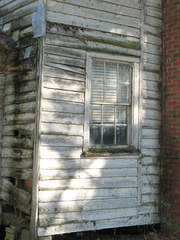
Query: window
[{"x": 111, "y": 108}]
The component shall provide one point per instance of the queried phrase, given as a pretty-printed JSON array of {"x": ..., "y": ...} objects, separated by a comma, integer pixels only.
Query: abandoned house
[{"x": 89, "y": 103}]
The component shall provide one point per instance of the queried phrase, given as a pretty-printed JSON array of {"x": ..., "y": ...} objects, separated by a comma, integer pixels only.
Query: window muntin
[{"x": 110, "y": 102}]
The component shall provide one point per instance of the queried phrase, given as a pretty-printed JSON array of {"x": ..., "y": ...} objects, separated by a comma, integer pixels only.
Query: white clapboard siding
[
  {"x": 76, "y": 226},
  {"x": 115, "y": 182},
  {"x": 76, "y": 195},
  {"x": 91, "y": 24},
  {"x": 74, "y": 206},
  {"x": 89, "y": 173}
]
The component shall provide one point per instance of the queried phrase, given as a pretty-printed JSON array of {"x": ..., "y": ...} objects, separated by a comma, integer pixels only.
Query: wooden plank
[
  {"x": 20, "y": 12},
  {"x": 55, "y": 117},
  {"x": 150, "y": 133},
  {"x": 16, "y": 153},
  {"x": 61, "y": 129},
  {"x": 151, "y": 114},
  {"x": 74, "y": 69},
  {"x": 100, "y": 224},
  {"x": 20, "y": 108},
  {"x": 60, "y": 152},
  {"x": 150, "y": 189},
  {"x": 21, "y": 87},
  {"x": 148, "y": 209},
  {"x": 61, "y": 73},
  {"x": 89, "y": 45},
  {"x": 120, "y": 7},
  {"x": 151, "y": 85},
  {"x": 57, "y": 106},
  {"x": 86, "y": 173},
  {"x": 20, "y": 118},
  {"x": 151, "y": 143},
  {"x": 18, "y": 142},
  {"x": 153, "y": 49},
  {"x": 20, "y": 98},
  {"x": 151, "y": 123},
  {"x": 153, "y": 199},
  {"x": 151, "y": 152},
  {"x": 60, "y": 141},
  {"x": 9, "y": 130},
  {"x": 154, "y": 12},
  {"x": 151, "y": 95},
  {"x": 151, "y": 104},
  {"x": 152, "y": 76},
  {"x": 15, "y": 196},
  {"x": 128, "y": 3},
  {"x": 150, "y": 179},
  {"x": 84, "y": 216},
  {"x": 89, "y": 194},
  {"x": 13, "y": 163},
  {"x": 152, "y": 3},
  {"x": 88, "y": 163},
  {"x": 153, "y": 21},
  {"x": 68, "y": 61},
  {"x": 13, "y": 6},
  {"x": 66, "y": 52},
  {"x": 91, "y": 24},
  {"x": 150, "y": 170},
  {"x": 93, "y": 14},
  {"x": 151, "y": 58},
  {"x": 70, "y": 206},
  {"x": 17, "y": 173},
  {"x": 155, "y": 161},
  {"x": 5, "y": 2},
  {"x": 115, "y": 182},
  {"x": 153, "y": 40},
  {"x": 61, "y": 95}
]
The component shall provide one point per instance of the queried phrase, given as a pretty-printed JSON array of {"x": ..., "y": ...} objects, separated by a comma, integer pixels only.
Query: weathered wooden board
[
  {"x": 15, "y": 196},
  {"x": 61, "y": 129},
  {"x": 20, "y": 108},
  {"x": 150, "y": 198},
  {"x": 16, "y": 153},
  {"x": 18, "y": 142},
  {"x": 73, "y": 183},
  {"x": 64, "y": 218},
  {"x": 86, "y": 173},
  {"x": 157, "y": 4},
  {"x": 88, "y": 194},
  {"x": 108, "y": 7},
  {"x": 86, "y": 163},
  {"x": 63, "y": 107},
  {"x": 60, "y": 152},
  {"x": 68, "y": 118},
  {"x": 151, "y": 114},
  {"x": 17, "y": 173},
  {"x": 91, "y": 24},
  {"x": 60, "y": 141},
  {"x": 62, "y": 95},
  {"x": 101, "y": 224},
  {"x": 71, "y": 206},
  {"x": 93, "y": 14},
  {"x": 14, "y": 163}
]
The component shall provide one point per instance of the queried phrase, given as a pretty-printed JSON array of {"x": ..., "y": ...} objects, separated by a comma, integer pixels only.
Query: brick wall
[{"x": 171, "y": 112}]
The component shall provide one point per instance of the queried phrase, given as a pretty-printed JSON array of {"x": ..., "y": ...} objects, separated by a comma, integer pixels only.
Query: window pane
[
  {"x": 121, "y": 115},
  {"x": 97, "y": 83},
  {"x": 108, "y": 135},
  {"x": 95, "y": 135},
  {"x": 108, "y": 114},
  {"x": 124, "y": 73},
  {"x": 110, "y": 94},
  {"x": 95, "y": 114},
  {"x": 121, "y": 135},
  {"x": 123, "y": 93}
]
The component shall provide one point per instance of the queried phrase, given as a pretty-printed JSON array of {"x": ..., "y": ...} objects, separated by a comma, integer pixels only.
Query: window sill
[{"x": 106, "y": 152}]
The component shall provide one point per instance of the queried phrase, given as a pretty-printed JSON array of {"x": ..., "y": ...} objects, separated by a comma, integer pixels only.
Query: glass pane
[
  {"x": 110, "y": 94},
  {"x": 123, "y": 93},
  {"x": 108, "y": 135},
  {"x": 108, "y": 114},
  {"x": 121, "y": 135},
  {"x": 121, "y": 115},
  {"x": 95, "y": 116},
  {"x": 124, "y": 73},
  {"x": 97, "y": 82},
  {"x": 95, "y": 135}
]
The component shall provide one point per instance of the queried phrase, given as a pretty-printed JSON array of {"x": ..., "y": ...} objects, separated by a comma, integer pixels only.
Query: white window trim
[{"x": 134, "y": 135}]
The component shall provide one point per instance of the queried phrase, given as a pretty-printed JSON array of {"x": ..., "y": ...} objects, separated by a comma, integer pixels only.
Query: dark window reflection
[
  {"x": 108, "y": 135},
  {"x": 95, "y": 135},
  {"x": 121, "y": 134}
]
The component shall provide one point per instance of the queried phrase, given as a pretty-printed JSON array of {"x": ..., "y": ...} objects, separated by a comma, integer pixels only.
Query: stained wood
[
  {"x": 73, "y": 183},
  {"x": 47, "y": 196},
  {"x": 70, "y": 206},
  {"x": 18, "y": 173},
  {"x": 15, "y": 196}
]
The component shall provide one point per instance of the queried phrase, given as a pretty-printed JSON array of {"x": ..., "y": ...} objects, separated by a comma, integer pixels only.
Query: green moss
[
  {"x": 102, "y": 151},
  {"x": 124, "y": 44}
]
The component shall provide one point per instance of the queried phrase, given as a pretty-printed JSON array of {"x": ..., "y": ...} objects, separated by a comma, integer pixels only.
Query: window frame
[{"x": 133, "y": 127}]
